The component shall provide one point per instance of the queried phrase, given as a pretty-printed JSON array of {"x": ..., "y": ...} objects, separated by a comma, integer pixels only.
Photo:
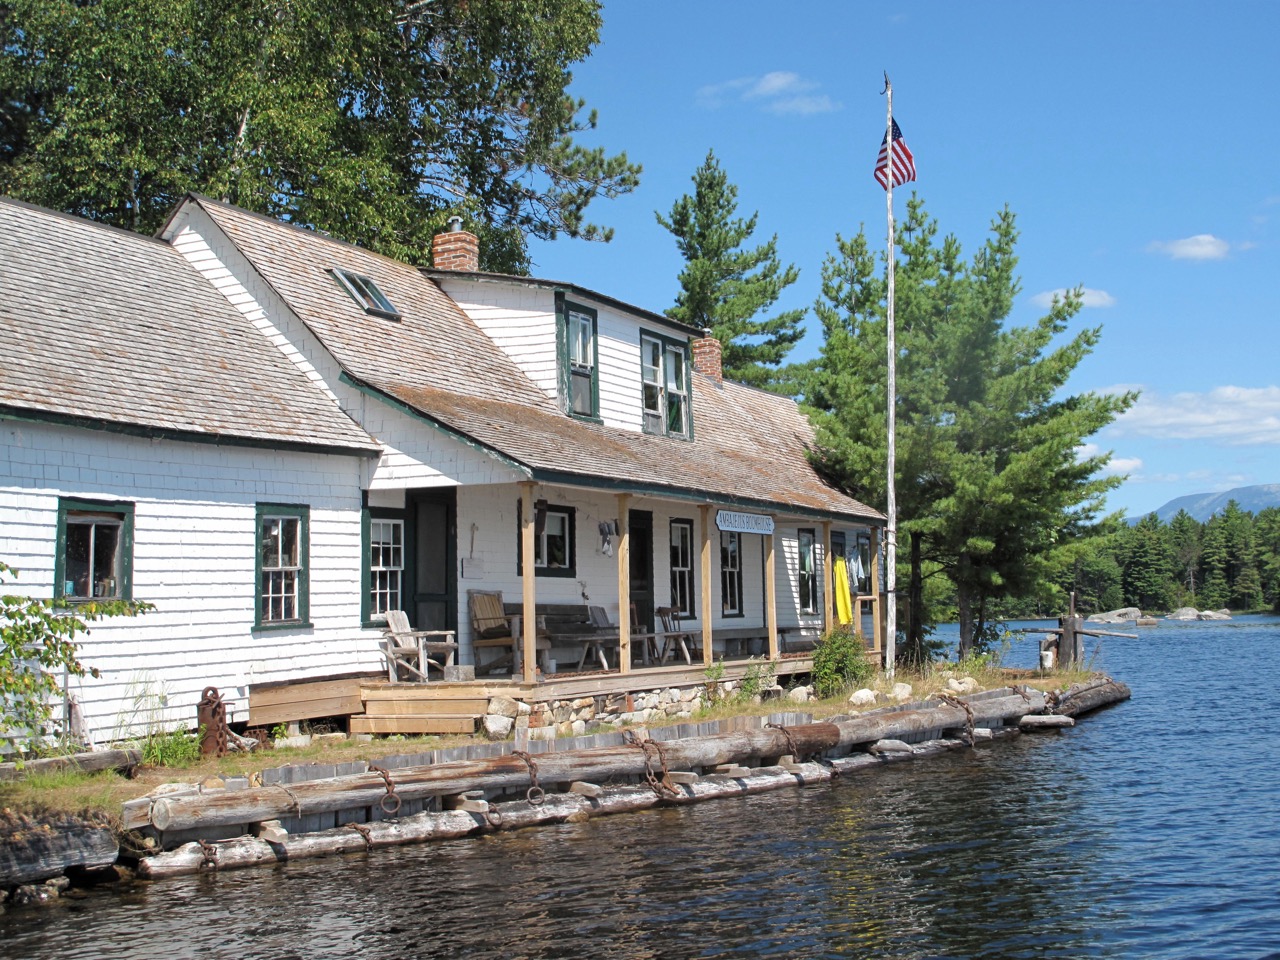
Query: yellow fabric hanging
[{"x": 844, "y": 602}]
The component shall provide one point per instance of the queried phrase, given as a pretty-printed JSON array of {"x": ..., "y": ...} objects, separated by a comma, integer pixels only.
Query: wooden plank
[
  {"x": 422, "y": 693},
  {"x": 367, "y": 724},
  {"x": 306, "y": 709},
  {"x": 426, "y": 708},
  {"x": 292, "y": 692}
]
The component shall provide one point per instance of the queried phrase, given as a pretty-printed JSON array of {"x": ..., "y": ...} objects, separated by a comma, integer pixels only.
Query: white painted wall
[{"x": 194, "y": 545}]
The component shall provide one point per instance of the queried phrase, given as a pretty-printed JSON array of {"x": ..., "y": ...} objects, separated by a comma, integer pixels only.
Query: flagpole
[{"x": 891, "y": 506}]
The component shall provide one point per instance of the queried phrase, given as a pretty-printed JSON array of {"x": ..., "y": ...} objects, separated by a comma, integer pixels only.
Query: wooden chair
[
  {"x": 493, "y": 628},
  {"x": 407, "y": 650},
  {"x": 673, "y": 634}
]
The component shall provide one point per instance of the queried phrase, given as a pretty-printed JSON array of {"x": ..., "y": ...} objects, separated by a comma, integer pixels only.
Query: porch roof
[{"x": 749, "y": 446}]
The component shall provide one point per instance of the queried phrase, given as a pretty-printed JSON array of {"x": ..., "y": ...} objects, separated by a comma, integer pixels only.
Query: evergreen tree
[
  {"x": 989, "y": 479},
  {"x": 1266, "y": 529},
  {"x": 724, "y": 287},
  {"x": 1147, "y": 564},
  {"x": 1184, "y": 540},
  {"x": 372, "y": 120}
]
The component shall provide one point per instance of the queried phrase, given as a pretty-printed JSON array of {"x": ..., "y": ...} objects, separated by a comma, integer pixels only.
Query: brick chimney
[
  {"x": 706, "y": 357},
  {"x": 456, "y": 249}
]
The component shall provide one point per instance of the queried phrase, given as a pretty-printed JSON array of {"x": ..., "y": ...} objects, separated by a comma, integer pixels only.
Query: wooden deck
[{"x": 374, "y": 705}]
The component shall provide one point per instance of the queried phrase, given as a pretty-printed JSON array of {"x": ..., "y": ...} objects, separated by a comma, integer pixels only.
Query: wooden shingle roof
[
  {"x": 749, "y": 447},
  {"x": 104, "y": 328}
]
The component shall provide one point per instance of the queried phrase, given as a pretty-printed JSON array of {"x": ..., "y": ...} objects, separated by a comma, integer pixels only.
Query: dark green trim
[
  {"x": 68, "y": 505},
  {"x": 415, "y": 414},
  {"x": 565, "y": 366},
  {"x": 692, "y": 612},
  {"x": 184, "y": 436},
  {"x": 303, "y": 513},
  {"x": 697, "y": 496},
  {"x": 367, "y": 515},
  {"x": 566, "y": 572},
  {"x": 682, "y": 345}
]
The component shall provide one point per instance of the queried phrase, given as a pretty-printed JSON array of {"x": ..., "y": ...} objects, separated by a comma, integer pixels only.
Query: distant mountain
[{"x": 1202, "y": 506}]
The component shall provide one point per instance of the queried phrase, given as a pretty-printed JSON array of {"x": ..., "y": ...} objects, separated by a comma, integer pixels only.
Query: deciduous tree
[{"x": 372, "y": 120}]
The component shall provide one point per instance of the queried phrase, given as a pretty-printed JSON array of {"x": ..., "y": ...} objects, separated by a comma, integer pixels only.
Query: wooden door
[
  {"x": 640, "y": 524},
  {"x": 435, "y": 579}
]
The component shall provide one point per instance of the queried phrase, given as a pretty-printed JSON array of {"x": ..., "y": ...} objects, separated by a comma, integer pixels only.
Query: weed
[
  {"x": 758, "y": 676},
  {"x": 840, "y": 662},
  {"x": 173, "y": 749}
]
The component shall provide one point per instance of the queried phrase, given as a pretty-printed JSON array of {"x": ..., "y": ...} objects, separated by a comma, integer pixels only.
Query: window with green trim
[
  {"x": 682, "y": 567},
  {"x": 554, "y": 533},
  {"x": 664, "y": 375},
  {"x": 808, "y": 571},
  {"x": 583, "y": 386},
  {"x": 283, "y": 556},
  {"x": 730, "y": 574},
  {"x": 94, "y": 550},
  {"x": 384, "y": 563}
]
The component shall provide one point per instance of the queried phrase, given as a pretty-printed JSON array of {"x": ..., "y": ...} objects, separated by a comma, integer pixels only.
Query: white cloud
[
  {"x": 779, "y": 91},
  {"x": 1203, "y": 246},
  {"x": 1114, "y": 465},
  {"x": 1234, "y": 416},
  {"x": 1088, "y": 298}
]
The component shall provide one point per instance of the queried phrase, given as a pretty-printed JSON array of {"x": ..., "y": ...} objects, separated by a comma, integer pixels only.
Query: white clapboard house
[{"x": 275, "y": 438}]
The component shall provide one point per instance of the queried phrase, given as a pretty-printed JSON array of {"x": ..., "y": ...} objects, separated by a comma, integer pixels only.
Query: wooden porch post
[
  {"x": 877, "y": 628},
  {"x": 771, "y": 597},
  {"x": 529, "y": 609},
  {"x": 705, "y": 510},
  {"x": 828, "y": 594},
  {"x": 624, "y": 584}
]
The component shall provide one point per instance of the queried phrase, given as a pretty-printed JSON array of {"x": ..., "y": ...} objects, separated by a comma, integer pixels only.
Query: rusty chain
[
  {"x": 791, "y": 741},
  {"x": 209, "y": 860},
  {"x": 535, "y": 794},
  {"x": 968, "y": 712},
  {"x": 662, "y": 788},
  {"x": 390, "y": 803},
  {"x": 364, "y": 832}
]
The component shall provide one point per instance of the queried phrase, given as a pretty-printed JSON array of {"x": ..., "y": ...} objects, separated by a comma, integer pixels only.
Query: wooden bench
[{"x": 571, "y": 625}]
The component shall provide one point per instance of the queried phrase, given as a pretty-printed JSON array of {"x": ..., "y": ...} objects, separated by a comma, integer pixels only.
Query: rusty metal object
[
  {"x": 211, "y": 715},
  {"x": 210, "y": 855},
  {"x": 390, "y": 803},
  {"x": 791, "y": 741},
  {"x": 535, "y": 794}
]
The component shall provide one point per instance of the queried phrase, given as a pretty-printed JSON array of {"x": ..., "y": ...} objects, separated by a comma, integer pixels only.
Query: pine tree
[
  {"x": 1184, "y": 540},
  {"x": 1147, "y": 563},
  {"x": 725, "y": 287},
  {"x": 990, "y": 481}
]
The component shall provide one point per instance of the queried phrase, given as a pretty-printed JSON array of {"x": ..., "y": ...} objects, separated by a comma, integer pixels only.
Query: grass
[{"x": 104, "y": 793}]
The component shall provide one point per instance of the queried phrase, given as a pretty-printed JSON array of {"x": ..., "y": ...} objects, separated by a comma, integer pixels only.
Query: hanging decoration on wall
[{"x": 608, "y": 529}]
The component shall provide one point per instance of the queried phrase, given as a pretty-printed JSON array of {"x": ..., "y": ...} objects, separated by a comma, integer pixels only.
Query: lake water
[{"x": 1150, "y": 830}]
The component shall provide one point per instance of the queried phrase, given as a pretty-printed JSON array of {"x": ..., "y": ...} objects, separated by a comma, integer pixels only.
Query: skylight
[{"x": 366, "y": 293}]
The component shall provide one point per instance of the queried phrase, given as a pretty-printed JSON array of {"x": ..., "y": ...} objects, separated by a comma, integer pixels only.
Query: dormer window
[
  {"x": 579, "y": 358},
  {"x": 366, "y": 293},
  {"x": 664, "y": 373}
]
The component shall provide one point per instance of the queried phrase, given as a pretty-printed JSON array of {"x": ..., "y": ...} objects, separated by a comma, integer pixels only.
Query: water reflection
[{"x": 1151, "y": 830}]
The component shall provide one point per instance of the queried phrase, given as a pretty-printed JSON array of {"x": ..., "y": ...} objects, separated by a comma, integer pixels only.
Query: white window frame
[
  {"x": 664, "y": 386},
  {"x": 730, "y": 573},
  {"x": 386, "y": 566},
  {"x": 682, "y": 580},
  {"x": 807, "y": 569},
  {"x": 582, "y": 359}
]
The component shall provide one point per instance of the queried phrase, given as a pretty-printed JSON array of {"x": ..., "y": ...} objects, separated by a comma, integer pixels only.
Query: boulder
[
  {"x": 863, "y": 698},
  {"x": 1183, "y": 613},
  {"x": 963, "y": 685},
  {"x": 798, "y": 694},
  {"x": 497, "y": 727},
  {"x": 901, "y": 692},
  {"x": 1213, "y": 615},
  {"x": 504, "y": 707},
  {"x": 1123, "y": 615}
]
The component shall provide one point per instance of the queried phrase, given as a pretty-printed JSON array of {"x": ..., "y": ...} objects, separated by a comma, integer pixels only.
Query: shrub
[
  {"x": 174, "y": 749},
  {"x": 839, "y": 662}
]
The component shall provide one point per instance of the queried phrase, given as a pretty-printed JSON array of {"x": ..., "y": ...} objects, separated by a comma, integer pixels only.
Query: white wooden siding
[
  {"x": 520, "y": 320},
  {"x": 193, "y": 558}
]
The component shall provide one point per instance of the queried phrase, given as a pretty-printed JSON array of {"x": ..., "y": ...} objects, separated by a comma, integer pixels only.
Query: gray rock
[
  {"x": 863, "y": 698},
  {"x": 503, "y": 707},
  {"x": 1183, "y": 613},
  {"x": 497, "y": 727},
  {"x": 901, "y": 692},
  {"x": 798, "y": 695},
  {"x": 1213, "y": 615}
]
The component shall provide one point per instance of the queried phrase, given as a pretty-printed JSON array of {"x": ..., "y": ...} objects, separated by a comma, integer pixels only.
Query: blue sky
[{"x": 1136, "y": 142}]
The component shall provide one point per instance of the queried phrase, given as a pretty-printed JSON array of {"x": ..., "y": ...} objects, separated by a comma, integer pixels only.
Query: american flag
[{"x": 904, "y": 164}]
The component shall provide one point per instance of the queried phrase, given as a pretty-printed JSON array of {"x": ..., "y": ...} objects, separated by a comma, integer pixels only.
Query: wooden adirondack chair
[
  {"x": 408, "y": 651},
  {"x": 673, "y": 635},
  {"x": 493, "y": 628}
]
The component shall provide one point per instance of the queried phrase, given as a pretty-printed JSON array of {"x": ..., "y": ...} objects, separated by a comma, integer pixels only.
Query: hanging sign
[{"x": 732, "y": 522}]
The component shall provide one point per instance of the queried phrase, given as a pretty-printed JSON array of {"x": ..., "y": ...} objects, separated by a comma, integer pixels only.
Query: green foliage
[
  {"x": 724, "y": 288},
  {"x": 173, "y": 748},
  {"x": 839, "y": 663},
  {"x": 374, "y": 127},
  {"x": 989, "y": 480},
  {"x": 758, "y": 676},
  {"x": 37, "y": 644}
]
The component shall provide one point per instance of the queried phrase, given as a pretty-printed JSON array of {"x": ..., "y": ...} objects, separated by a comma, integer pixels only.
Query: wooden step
[
  {"x": 431, "y": 724},
  {"x": 304, "y": 701},
  {"x": 426, "y": 708}
]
